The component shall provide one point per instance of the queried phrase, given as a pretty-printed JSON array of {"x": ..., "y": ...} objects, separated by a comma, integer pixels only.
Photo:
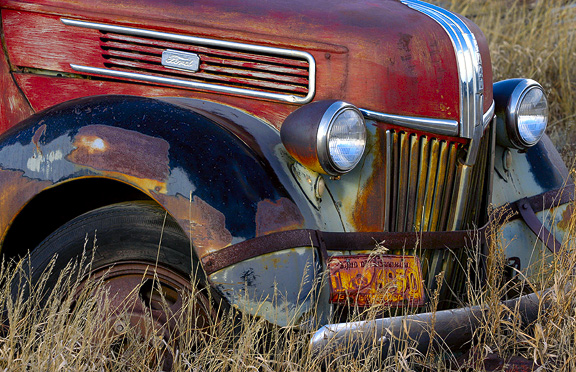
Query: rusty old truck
[{"x": 296, "y": 159}]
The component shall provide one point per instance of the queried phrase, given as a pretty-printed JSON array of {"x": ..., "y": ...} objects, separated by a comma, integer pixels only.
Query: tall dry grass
[
  {"x": 68, "y": 331},
  {"x": 532, "y": 39}
]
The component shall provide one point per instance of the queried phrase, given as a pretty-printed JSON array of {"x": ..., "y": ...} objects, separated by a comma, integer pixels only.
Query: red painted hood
[{"x": 379, "y": 55}]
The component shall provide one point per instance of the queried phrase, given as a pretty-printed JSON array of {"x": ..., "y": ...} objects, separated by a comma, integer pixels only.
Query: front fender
[
  {"x": 221, "y": 173},
  {"x": 531, "y": 174}
]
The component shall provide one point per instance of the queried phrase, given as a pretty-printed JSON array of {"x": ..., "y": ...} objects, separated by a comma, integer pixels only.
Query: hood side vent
[{"x": 224, "y": 67}]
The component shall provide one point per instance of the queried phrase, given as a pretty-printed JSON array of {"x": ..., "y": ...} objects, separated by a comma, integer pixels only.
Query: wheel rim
[{"x": 149, "y": 298}]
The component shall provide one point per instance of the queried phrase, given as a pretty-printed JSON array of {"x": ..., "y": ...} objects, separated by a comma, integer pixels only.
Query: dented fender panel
[
  {"x": 524, "y": 174},
  {"x": 221, "y": 186}
]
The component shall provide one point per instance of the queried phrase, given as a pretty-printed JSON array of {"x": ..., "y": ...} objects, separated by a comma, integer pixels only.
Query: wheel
[{"x": 143, "y": 259}]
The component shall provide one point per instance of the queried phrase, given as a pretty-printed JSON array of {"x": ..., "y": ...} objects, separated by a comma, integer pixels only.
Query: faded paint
[
  {"x": 254, "y": 290},
  {"x": 41, "y": 163},
  {"x": 523, "y": 179},
  {"x": 281, "y": 215}
]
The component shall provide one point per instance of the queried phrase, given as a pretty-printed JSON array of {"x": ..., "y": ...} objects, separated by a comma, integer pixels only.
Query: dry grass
[
  {"x": 67, "y": 333},
  {"x": 532, "y": 39}
]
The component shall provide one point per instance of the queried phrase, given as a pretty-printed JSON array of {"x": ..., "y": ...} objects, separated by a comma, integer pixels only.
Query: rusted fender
[
  {"x": 519, "y": 175},
  {"x": 442, "y": 330},
  {"x": 220, "y": 172},
  {"x": 214, "y": 179}
]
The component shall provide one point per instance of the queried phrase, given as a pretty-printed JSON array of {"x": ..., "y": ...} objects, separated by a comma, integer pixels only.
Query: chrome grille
[{"x": 428, "y": 189}]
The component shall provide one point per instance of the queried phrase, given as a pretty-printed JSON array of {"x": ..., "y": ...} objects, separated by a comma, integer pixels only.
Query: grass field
[{"x": 533, "y": 39}]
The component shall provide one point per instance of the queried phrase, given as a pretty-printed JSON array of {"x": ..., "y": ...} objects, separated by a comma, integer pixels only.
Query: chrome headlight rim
[
  {"x": 322, "y": 142},
  {"x": 520, "y": 91}
]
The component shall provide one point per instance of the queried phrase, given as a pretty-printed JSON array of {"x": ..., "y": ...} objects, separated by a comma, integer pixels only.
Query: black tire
[
  {"x": 135, "y": 231},
  {"x": 132, "y": 238}
]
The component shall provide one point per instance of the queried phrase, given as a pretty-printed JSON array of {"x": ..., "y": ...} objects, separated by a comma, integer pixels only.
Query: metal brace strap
[
  {"x": 345, "y": 241},
  {"x": 527, "y": 208}
]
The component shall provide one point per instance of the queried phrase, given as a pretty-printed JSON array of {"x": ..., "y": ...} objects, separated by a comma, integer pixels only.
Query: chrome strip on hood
[
  {"x": 201, "y": 41},
  {"x": 469, "y": 66}
]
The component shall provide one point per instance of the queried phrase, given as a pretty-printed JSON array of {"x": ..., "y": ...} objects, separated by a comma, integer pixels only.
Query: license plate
[{"x": 365, "y": 280}]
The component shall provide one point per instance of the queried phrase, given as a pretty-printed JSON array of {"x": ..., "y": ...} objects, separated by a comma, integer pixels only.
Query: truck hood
[{"x": 379, "y": 55}]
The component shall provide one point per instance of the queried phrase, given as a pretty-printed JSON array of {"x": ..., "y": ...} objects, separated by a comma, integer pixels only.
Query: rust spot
[
  {"x": 15, "y": 191},
  {"x": 566, "y": 219},
  {"x": 205, "y": 225},
  {"x": 37, "y": 135},
  {"x": 368, "y": 214},
  {"x": 124, "y": 151},
  {"x": 281, "y": 215}
]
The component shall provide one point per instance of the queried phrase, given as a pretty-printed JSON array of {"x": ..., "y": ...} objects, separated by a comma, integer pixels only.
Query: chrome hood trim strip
[
  {"x": 469, "y": 65},
  {"x": 438, "y": 126},
  {"x": 444, "y": 127},
  {"x": 202, "y": 41}
]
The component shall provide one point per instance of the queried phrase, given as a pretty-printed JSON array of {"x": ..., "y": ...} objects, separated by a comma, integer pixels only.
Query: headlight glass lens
[
  {"x": 532, "y": 116},
  {"x": 346, "y": 139}
]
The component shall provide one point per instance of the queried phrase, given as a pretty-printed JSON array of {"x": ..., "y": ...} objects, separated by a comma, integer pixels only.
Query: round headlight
[
  {"x": 345, "y": 139},
  {"x": 532, "y": 115},
  {"x": 522, "y": 112},
  {"x": 325, "y": 136}
]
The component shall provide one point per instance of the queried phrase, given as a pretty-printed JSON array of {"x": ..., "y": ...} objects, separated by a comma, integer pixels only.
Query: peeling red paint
[
  {"x": 281, "y": 215},
  {"x": 13, "y": 105}
]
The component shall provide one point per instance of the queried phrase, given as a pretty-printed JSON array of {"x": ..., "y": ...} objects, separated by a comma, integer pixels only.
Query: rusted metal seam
[{"x": 366, "y": 241}]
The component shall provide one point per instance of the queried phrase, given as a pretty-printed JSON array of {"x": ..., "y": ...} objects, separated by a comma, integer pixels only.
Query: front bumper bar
[
  {"x": 365, "y": 241},
  {"x": 442, "y": 330}
]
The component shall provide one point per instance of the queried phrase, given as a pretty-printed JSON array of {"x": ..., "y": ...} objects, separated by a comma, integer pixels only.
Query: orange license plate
[{"x": 365, "y": 280}]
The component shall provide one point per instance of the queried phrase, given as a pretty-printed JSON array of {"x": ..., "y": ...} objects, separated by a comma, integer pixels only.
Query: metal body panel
[
  {"x": 222, "y": 174},
  {"x": 524, "y": 174},
  {"x": 284, "y": 287},
  {"x": 223, "y": 187},
  {"x": 385, "y": 57}
]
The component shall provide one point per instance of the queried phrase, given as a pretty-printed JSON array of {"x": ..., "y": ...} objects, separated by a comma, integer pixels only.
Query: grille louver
[
  {"x": 237, "y": 69},
  {"x": 423, "y": 189},
  {"x": 225, "y": 67},
  {"x": 422, "y": 172}
]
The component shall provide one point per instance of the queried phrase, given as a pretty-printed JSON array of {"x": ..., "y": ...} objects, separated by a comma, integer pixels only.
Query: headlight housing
[
  {"x": 326, "y": 136},
  {"x": 522, "y": 111}
]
